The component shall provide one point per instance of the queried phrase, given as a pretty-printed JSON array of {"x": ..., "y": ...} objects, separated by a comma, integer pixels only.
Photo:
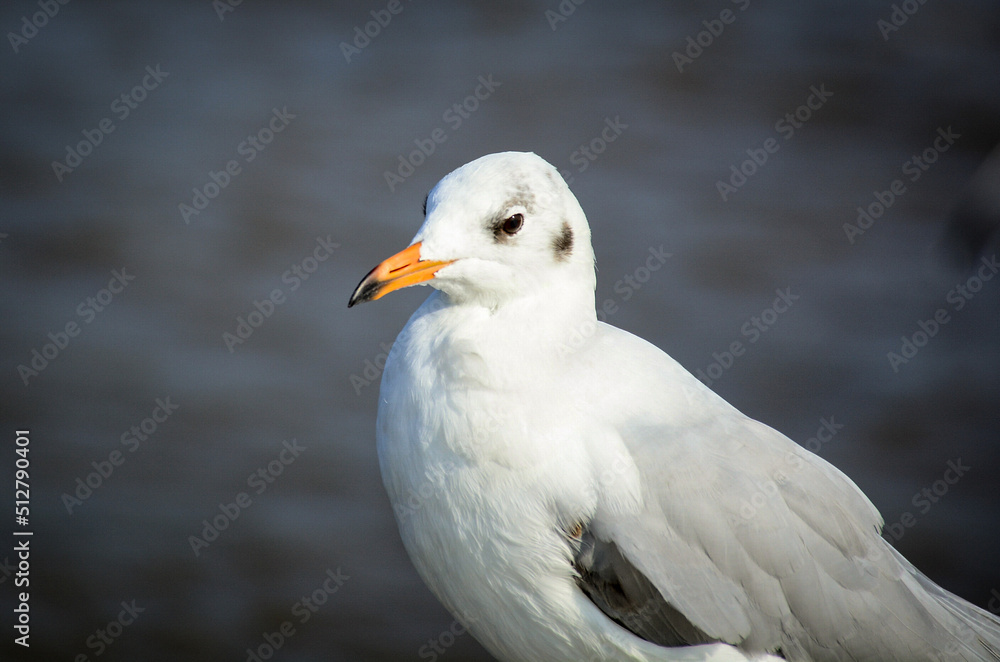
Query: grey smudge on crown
[
  {"x": 523, "y": 196},
  {"x": 563, "y": 243},
  {"x": 426, "y": 197}
]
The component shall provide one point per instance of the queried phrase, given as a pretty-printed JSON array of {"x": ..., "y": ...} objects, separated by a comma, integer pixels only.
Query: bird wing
[{"x": 746, "y": 537}]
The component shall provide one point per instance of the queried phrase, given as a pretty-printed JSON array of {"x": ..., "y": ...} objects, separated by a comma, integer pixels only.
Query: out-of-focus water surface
[{"x": 309, "y": 371}]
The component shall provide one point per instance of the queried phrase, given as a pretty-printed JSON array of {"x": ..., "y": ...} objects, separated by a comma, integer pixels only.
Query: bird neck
[{"x": 516, "y": 339}]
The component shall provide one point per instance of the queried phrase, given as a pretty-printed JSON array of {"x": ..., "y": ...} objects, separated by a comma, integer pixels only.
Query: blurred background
[{"x": 167, "y": 168}]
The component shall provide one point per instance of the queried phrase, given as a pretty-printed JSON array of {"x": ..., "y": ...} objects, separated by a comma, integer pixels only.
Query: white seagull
[{"x": 570, "y": 492}]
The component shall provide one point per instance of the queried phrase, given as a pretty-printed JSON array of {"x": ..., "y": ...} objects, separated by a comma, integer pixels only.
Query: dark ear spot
[
  {"x": 562, "y": 245},
  {"x": 425, "y": 204}
]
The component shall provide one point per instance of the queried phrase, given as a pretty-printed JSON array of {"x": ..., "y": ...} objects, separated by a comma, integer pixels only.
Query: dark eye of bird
[{"x": 512, "y": 225}]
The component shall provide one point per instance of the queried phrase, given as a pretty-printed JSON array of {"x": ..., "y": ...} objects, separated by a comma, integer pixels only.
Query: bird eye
[{"x": 512, "y": 225}]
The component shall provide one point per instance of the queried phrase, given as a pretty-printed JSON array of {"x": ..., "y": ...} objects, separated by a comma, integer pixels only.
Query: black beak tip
[{"x": 365, "y": 291}]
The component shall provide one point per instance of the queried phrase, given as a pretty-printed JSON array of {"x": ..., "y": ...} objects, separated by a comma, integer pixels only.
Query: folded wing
[{"x": 744, "y": 537}]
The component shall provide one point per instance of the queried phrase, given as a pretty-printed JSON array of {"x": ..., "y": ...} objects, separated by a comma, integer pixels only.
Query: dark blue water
[{"x": 193, "y": 251}]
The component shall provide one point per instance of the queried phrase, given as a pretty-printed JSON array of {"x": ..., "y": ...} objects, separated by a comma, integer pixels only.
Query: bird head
[{"x": 500, "y": 227}]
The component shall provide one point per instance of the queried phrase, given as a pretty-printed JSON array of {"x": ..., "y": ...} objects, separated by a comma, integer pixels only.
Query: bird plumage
[{"x": 573, "y": 493}]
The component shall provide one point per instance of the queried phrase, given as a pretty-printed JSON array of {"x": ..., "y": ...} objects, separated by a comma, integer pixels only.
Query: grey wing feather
[
  {"x": 627, "y": 597},
  {"x": 802, "y": 565},
  {"x": 754, "y": 541}
]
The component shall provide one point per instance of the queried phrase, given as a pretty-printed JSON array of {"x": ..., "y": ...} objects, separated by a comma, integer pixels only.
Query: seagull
[{"x": 570, "y": 492}]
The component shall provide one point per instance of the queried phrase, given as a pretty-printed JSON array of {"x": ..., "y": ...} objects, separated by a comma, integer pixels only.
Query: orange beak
[{"x": 403, "y": 269}]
